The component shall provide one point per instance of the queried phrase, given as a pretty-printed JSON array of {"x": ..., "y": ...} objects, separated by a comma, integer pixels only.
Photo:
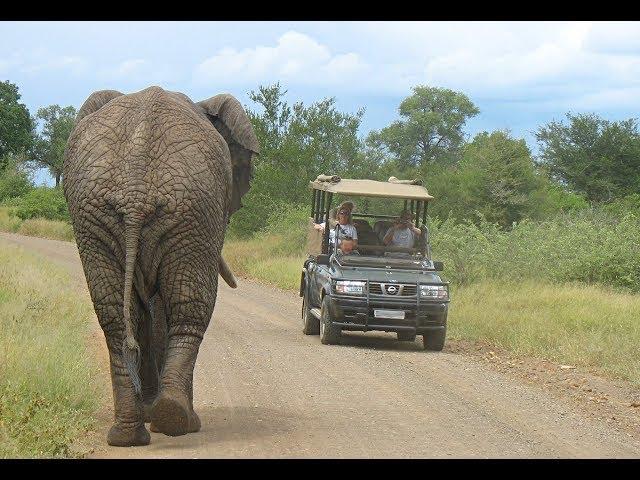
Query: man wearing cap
[
  {"x": 402, "y": 233},
  {"x": 347, "y": 233}
]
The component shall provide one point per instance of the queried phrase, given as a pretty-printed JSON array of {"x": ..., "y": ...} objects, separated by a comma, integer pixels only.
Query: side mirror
[
  {"x": 438, "y": 266},
  {"x": 323, "y": 259}
]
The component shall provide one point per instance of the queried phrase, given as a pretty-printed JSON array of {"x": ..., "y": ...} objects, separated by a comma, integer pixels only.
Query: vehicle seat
[
  {"x": 368, "y": 237},
  {"x": 362, "y": 225},
  {"x": 381, "y": 227}
]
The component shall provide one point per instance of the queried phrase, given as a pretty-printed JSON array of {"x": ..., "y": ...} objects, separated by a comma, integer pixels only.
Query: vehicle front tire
[
  {"x": 434, "y": 340},
  {"x": 310, "y": 324},
  {"x": 406, "y": 337},
  {"x": 329, "y": 333}
]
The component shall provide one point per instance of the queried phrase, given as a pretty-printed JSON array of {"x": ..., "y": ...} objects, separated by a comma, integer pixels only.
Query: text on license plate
[{"x": 389, "y": 314}]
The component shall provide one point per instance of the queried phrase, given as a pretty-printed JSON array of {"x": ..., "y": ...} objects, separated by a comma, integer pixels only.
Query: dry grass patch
[
  {"x": 53, "y": 229},
  {"x": 265, "y": 259},
  {"x": 35, "y": 227}
]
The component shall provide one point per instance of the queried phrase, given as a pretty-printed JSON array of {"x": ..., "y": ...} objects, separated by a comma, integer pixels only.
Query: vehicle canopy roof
[{"x": 409, "y": 189}]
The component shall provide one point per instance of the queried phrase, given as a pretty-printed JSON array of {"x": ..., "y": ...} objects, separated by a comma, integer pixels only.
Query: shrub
[
  {"x": 42, "y": 202},
  {"x": 14, "y": 182}
]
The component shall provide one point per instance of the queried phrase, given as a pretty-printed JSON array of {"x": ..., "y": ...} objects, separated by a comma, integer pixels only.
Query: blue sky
[{"x": 519, "y": 74}]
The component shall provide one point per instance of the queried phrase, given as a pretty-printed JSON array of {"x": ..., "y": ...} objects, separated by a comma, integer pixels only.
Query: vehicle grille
[{"x": 387, "y": 289}]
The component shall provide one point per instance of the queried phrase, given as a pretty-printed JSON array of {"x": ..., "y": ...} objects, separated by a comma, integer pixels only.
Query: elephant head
[{"x": 228, "y": 116}]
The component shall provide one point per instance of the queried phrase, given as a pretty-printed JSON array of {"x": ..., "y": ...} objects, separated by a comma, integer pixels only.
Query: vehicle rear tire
[
  {"x": 406, "y": 337},
  {"x": 329, "y": 333},
  {"x": 434, "y": 340},
  {"x": 310, "y": 324}
]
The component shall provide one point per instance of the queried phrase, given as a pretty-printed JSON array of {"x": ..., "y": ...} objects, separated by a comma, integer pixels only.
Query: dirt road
[{"x": 263, "y": 389}]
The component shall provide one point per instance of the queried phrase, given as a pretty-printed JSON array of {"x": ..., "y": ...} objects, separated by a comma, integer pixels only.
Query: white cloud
[
  {"x": 490, "y": 60},
  {"x": 296, "y": 58}
]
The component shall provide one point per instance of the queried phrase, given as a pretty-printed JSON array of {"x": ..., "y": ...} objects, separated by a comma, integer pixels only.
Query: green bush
[
  {"x": 588, "y": 246},
  {"x": 42, "y": 202},
  {"x": 14, "y": 182}
]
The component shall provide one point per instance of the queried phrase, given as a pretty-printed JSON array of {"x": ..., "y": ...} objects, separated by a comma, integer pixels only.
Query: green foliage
[
  {"x": 289, "y": 222},
  {"x": 593, "y": 156},
  {"x": 297, "y": 143},
  {"x": 621, "y": 207},
  {"x": 588, "y": 246},
  {"x": 42, "y": 202},
  {"x": 16, "y": 125},
  {"x": 497, "y": 177},
  {"x": 496, "y": 180},
  {"x": 57, "y": 125},
  {"x": 431, "y": 128},
  {"x": 14, "y": 179}
]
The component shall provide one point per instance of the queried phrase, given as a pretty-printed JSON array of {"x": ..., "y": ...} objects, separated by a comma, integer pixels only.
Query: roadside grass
[
  {"x": 570, "y": 323},
  {"x": 7, "y": 222},
  {"x": 48, "y": 378},
  {"x": 575, "y": 324},
  {"x": 35, "y": 227},
  {"x": 266, "y": 259}
]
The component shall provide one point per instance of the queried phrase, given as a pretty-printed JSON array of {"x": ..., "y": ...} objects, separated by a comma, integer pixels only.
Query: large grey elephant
[{"x": 151, "y": 179}]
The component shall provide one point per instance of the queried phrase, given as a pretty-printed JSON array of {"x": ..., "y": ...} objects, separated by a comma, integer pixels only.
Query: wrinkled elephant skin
[{"x": 151, "y": 179}]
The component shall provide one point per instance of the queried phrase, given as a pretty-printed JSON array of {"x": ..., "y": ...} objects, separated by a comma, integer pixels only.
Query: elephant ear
[
  {"x": 95, "y": 102},
  {"x": 232, "y": 122}
]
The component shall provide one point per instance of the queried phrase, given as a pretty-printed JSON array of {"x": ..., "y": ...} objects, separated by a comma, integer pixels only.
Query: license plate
[{"x": 396, "y": 314}]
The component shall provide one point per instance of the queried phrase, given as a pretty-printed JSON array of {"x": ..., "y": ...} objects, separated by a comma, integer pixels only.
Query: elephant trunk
[
  {"x": 226, "y": 273},
  {"x": 130, "y": 347}
]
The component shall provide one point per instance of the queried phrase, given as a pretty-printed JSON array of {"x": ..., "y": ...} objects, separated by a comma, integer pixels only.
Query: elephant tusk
[{"x": 226, "y": 273}]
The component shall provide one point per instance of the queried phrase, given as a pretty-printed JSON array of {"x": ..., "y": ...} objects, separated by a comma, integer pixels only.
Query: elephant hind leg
[
  {"x": 153, "y": 345},
  {"x": 105, "y": 279},
  {"x": 188, "y": 285}
]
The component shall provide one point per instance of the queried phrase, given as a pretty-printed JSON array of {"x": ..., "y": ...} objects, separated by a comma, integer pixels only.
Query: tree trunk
[{"x": 57, "y": 180}]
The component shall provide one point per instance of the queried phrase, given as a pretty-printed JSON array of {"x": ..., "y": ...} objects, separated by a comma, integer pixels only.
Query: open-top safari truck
[{"x": 378, "y": 287}]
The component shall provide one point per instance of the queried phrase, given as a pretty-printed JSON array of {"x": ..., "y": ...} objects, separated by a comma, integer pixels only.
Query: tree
[
  {"x": 431, "y": 128},
  {"x": 16, "y": 125},
  {"x": 297, "y": 143},
  {"x": 49, "y": 146},
  {"x": 593, "y": 156},
  {"x": 496, "y": 177}
]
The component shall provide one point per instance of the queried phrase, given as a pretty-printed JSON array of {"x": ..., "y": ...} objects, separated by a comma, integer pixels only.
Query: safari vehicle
[{"x": 379, "y": 288}]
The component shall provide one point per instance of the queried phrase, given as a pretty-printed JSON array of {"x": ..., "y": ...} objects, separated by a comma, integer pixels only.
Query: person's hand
[
  {"x": 346, "y": 246},
  {"x": 317, "y": 226}
]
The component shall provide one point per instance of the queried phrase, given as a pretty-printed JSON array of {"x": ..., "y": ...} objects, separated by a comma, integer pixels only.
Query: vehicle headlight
[
  {"x": 350, "y": 287},
  {"x": 436, "y": 292}
]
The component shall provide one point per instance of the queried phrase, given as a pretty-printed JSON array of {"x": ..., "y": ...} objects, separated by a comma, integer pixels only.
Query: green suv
[{"x": 376, "y": 287}]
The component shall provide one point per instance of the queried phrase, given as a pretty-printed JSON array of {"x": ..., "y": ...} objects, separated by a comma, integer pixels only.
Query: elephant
[{"x": 151, "y": 180}]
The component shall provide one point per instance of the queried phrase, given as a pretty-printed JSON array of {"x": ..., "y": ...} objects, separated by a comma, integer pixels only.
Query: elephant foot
[
  {"x": 172, "y": 415},
  {"x": 194, "y": 424},
  {"x": 127, "y": 437}
]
